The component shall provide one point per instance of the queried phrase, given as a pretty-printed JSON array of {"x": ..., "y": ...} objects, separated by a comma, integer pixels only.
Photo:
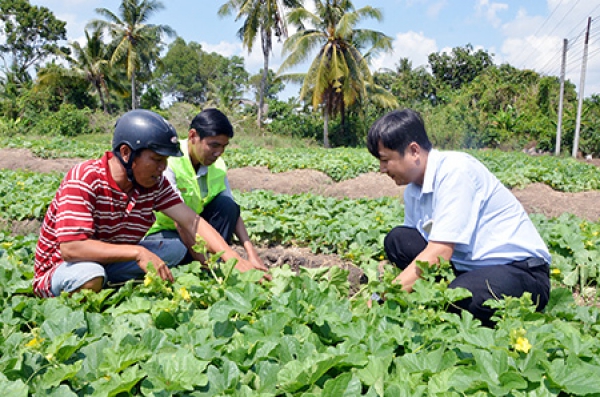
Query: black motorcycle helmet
[{"x": 142, "y": 129}]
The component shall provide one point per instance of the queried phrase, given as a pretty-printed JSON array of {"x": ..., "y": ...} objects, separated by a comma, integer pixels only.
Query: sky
[{"x": 526, "y": 34}]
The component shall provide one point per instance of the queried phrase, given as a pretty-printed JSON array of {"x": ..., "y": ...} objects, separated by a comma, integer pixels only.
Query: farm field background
[{"x": 309, "y": 331}]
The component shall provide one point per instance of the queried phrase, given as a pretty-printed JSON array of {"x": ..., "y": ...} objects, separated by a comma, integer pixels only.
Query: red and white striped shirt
[{"x": 90, "y": 205}]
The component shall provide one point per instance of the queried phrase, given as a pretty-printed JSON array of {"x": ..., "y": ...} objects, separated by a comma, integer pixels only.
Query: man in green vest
[{"x": 200, "y": 178}]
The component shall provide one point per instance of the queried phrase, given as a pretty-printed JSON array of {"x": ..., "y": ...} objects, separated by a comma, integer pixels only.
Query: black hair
[
  {"x": 211, "y": 122},
  {"x": 396, "y": 130}
]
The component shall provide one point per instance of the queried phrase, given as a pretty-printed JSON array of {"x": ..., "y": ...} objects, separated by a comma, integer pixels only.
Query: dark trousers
[
  {"x": 403, "y": 244},
  {"x": 221, "y": 213}
]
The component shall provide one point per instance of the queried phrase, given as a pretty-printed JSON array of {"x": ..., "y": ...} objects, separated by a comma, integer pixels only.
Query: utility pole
[
  {"x": 581, "y": 85},
  {"x": 561, "y": 97}
]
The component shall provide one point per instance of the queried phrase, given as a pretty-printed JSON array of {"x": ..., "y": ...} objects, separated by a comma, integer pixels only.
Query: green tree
[
  {"x": 30, "y": 35},
  {"x": 411, "y": 86},
  {"x": 180, "y": 74},
  {"x": 273, "y": 86},
  {"x": 136, "y": 41},
  {"x": 265, "y": 18},
  {"x": 56, "y": 85},
  {"x": 339, "y": 75},
  {"x": 192, "y": 75},
  {"x": 459, "y": 67},
  {"x": 229, "y": 81},
  {"x": 92, "y": 62}
]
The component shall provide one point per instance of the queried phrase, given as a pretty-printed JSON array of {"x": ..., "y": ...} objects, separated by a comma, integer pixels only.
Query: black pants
[
  {"x": 403, "y": 244},
  {"x": 221, "y": 213}
]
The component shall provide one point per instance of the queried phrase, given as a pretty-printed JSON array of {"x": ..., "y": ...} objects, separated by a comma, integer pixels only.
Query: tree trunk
[
  {"x": 344, "y": 130},
  {"x": 101, "y": 95},
  {"x": 133, "y": 93},
  {"x": 266, "y": 47},
  {"x": 325, "y": 128}
]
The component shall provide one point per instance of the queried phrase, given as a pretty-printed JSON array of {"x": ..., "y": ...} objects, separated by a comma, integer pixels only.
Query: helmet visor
[{"x": 164, "y": 150}]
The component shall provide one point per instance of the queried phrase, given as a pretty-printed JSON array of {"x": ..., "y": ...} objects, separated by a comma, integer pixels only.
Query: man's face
[
  {"x": 206, "y": 151},
  {"x": 409, "y": 168},
  {"x": 148, "y": 167}
]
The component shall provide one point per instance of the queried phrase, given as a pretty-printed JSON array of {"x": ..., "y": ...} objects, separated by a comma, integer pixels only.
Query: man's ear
[
  {"x": 192, "y": 133},
  {"x": 125, "y": 152},
  {"x": 414, "y": 148}
]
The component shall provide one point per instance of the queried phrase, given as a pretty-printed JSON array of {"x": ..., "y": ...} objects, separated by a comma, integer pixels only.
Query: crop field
[{"x": 309, "y": 332}]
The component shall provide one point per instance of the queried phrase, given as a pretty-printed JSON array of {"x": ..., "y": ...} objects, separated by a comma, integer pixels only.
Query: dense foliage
[{"x": 297, "y": 335}]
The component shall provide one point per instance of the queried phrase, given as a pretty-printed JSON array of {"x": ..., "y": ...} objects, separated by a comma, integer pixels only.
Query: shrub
[{"x": 68, "y": 121}]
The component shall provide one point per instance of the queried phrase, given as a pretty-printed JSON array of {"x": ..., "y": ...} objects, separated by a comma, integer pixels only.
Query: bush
[
  {"x": 9, "y": 127},
  {"x": 68, "y": 121},
  {"x": 102, "y": 122},
  {"x": 286, "y": 118}
]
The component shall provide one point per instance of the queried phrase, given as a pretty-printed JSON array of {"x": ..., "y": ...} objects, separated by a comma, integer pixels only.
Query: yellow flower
[
  {"x": 556, "y": 271},
  {"x": 147, "y": 280},
  {"x": 185, "y": 295},
  {"x": 522, "y": 345},
  {"x": 35, "y": 342}
]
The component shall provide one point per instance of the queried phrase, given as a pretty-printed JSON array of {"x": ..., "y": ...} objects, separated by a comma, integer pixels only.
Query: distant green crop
[
  {"x": 25, "y": 194},
  {"x": 514, "y": 169}
]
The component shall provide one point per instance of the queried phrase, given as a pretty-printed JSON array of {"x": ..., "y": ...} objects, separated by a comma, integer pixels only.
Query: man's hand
[
  {"x": 144, "y": 257},
  {"x": 256, "y": 261},
  {"x": 244, "y": 265}
]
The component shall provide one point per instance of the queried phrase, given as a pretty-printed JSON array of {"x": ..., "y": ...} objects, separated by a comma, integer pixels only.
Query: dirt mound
[{"x": 13, "y": 159}]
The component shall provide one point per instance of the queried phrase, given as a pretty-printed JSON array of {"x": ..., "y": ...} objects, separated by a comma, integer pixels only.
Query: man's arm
[
  {"x": 431, "y": 254},
  {"x": 193, "y": 224},
  {"x": 242, "y": 235},
  {"x": 106, "y": 253}
]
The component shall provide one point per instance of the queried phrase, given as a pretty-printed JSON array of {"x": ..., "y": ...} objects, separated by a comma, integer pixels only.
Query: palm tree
[
  {"x": 88, "y": 62},
  {"x": 264, "y": 17},
  {"x": 339, "y": 75},
  {"x": 92, "y": 62},
  {"x": 133, "y": 37}
]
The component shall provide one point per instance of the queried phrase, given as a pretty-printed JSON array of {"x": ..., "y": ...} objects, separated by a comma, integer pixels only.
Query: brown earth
[{"x": 536, "y": 198}]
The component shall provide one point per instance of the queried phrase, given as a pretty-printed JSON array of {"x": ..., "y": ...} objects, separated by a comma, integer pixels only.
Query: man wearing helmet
[{"x": 92, "y": 232}]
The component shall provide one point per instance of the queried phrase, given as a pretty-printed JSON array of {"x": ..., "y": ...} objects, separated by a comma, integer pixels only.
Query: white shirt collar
[{"x": 432, "y": 164}]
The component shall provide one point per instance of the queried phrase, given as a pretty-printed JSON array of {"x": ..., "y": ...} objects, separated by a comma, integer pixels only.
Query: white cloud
[
  {"x": 412, "y": 45},
  {"x": 535, "y": 42},
  {"x": 489, "y": 10},
  {"x": 225, "y": 48}
]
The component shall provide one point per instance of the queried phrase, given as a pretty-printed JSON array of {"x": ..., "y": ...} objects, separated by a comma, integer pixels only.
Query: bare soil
[{"x": 536, "y": 198}]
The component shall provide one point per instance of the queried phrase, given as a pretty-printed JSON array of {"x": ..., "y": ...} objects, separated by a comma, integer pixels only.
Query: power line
[
  {"x": 548, "y": 18},
  {"x": 540, "y": 27},
  {"x": 564, "y": 16},
  {"x": 551, "y": 59}
]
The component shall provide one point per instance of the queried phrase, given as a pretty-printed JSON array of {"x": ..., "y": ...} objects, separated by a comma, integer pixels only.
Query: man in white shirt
[{"x": 456, "y": 209}]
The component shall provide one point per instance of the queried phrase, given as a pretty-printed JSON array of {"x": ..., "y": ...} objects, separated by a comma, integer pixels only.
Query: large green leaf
[{"x": 177, "y": 371}]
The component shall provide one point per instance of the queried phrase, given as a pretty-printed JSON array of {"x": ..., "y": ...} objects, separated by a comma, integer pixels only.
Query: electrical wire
[{"x": 540, "y": 28}]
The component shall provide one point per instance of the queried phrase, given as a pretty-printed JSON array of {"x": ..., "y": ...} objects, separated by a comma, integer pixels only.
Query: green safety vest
[{"x": 187, "y": 183}]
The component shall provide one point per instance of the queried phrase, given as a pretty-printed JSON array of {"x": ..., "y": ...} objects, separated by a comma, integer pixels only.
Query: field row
[{"x": 514, "y": 169}]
